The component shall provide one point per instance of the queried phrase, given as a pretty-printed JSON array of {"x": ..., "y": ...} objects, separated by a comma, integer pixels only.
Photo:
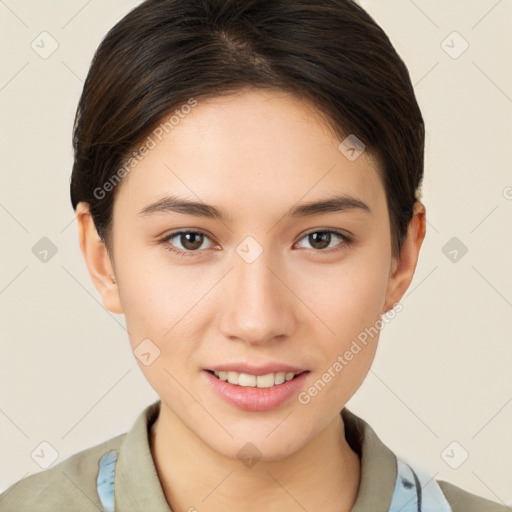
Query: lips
[{"x": 255, "y": 398}]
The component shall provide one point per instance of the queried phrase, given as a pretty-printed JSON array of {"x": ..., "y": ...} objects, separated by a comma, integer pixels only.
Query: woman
[{"x": 246, "y": 186}]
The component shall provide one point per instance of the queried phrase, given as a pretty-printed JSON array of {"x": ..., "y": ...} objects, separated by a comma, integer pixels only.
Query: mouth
[
  {"x": 248, "y": 380},
  {"x": 257, "y": 393}
]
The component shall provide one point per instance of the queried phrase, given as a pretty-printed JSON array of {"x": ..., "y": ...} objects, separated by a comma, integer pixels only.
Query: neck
[{"x": 323, "y": 474}]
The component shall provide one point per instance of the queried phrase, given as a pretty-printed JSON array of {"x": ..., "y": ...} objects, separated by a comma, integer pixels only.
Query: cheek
[
  {"x": 348, "y": 302},
  {"x": 347, "y": 297},
  {"x": 153, "y": 295},
  {"x": 158, "y": 303},
  {"x": 168, "y": 304},
  {"x": 147, "y": 305},
  {"x": 350, "y": 306}
]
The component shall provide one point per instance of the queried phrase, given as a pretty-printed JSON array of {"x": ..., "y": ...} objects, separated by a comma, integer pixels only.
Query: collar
[
  {"x": 137, "y": 486},
  {"x": 378, "y": 465}
]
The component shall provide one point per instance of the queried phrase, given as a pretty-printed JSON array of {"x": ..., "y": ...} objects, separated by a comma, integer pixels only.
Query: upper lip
[{"x": 263, "y": 369}]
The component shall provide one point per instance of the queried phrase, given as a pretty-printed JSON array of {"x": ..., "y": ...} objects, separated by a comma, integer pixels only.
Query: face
[{"x": 260, "y": 286}]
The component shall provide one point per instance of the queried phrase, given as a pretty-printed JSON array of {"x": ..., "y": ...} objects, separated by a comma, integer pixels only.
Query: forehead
[{"x": 249, "y": 148}]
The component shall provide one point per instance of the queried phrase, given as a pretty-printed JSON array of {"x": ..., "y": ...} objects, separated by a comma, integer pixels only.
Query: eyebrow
[{"x": 176, "y": 204}]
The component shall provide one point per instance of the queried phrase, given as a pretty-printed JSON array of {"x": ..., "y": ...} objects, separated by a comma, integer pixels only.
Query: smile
[
  {"x": 259, "y": 381},
  {"x": 256, "y": 392}
]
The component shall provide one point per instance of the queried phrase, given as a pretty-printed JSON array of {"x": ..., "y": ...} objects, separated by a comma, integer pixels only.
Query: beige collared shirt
[{"x": 71, "y": 484}]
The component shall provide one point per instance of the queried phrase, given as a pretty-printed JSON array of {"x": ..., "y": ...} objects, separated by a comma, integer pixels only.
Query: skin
[{"x": 255, "y": 155}]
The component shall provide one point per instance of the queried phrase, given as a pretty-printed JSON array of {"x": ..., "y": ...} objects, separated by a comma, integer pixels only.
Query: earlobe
[
  {"x": 97, "y": 259},
  {"x": 403, "y": 267}
]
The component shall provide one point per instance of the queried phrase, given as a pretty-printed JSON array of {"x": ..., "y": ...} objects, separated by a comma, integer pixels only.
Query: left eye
[{"x": 321, "y": 239}]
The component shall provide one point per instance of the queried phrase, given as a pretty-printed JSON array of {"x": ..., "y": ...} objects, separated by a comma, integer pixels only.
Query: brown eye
[
  {"x": 321, "y": 240},
  {"x": 191, "y": 241},
  {"x": 185, "y": 242}
]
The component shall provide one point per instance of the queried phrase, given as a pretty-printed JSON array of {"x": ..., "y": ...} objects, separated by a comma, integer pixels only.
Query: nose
[{"x": 258, "y": 304}]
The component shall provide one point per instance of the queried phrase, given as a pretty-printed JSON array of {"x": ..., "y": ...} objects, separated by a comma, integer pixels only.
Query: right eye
[{"x": 191, "y": 242}]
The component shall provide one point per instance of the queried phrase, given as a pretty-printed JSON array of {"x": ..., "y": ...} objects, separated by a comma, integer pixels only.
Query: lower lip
[{"x": 253, "y": 398}]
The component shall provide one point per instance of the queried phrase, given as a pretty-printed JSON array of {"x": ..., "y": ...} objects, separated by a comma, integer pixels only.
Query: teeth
[
  {"x": 280, "y": 378},
  {"x": 259, "y": 381},
  {"x": 233, "y": 377}
]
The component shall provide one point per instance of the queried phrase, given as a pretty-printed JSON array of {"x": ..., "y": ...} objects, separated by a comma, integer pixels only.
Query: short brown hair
[{"x": 329, "y": 52}]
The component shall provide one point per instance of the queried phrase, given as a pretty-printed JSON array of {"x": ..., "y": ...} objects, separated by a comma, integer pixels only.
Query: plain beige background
[{"x": 440, "y": 387}]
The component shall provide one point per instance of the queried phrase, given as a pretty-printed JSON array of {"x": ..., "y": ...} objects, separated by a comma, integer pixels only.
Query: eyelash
[{"x": 347, "y": 241}]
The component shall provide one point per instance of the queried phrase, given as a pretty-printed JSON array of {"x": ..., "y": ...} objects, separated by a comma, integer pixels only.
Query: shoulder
[
  {"x": 464, "y": 501},
  {"x": 69, "y": 485}
]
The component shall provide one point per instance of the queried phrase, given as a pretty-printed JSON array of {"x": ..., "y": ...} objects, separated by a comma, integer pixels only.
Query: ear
[
  {"x": 97, "y": 259},
  {"x": 403, "y": 266}
]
